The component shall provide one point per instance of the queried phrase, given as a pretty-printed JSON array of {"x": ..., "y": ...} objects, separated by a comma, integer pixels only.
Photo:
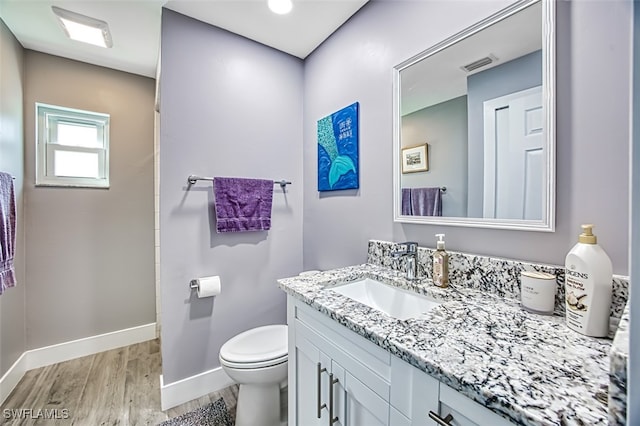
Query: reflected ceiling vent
[{"x": 479, "y": 63}]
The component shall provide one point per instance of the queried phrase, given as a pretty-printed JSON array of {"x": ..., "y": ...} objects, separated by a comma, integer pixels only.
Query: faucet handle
[{"x": 412, "y": 246}]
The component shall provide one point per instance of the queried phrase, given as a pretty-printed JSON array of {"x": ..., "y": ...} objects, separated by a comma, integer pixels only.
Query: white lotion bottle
[{"x": 588, "y": 286}]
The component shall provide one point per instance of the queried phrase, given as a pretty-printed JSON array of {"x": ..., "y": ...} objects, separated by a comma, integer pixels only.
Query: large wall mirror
[{"x": 474, "y": 125}]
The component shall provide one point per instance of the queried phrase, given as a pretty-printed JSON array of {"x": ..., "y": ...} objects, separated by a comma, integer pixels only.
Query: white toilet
[{"x": 257, "y": 360}]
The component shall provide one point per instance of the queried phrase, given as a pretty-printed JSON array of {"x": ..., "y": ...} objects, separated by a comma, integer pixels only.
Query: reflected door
[{"x": 514, "y": 156}]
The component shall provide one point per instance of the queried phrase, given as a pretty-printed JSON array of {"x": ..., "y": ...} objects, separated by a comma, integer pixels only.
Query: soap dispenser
[
  {"x": 588, "y": 286},
  {"x": 440, "y": 263}
]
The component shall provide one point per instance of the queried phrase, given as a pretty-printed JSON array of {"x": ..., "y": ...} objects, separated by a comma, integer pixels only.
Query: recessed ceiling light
[
  {"x": 281, "y": 7},
  {"x": 84, "y": 28}
]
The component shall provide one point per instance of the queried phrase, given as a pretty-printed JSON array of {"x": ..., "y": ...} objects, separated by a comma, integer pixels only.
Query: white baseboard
[
  {"x": 190, "y": 388},
  {"x": 66, "y": 351},
  {"x": 11, "y": 378},
  {"x": 90, "y": 345}
]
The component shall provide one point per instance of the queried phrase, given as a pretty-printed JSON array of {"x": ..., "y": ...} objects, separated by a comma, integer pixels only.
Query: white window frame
[{"x": 47, "y": 118}]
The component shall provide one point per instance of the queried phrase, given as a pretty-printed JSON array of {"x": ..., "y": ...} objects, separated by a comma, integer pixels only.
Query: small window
[{"x": 73, "y": 147}]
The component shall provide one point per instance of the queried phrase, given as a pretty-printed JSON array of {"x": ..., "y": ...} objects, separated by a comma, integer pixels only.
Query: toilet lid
[{"x": 256, "y": 345}]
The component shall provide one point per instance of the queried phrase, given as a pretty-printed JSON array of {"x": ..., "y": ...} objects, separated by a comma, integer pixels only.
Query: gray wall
[
  {"x": 12, "y": 305},
  {"x": 513, "y": 76},
  {"x": 633, "y": 377},
  {"x": 593, "y": 95},
  {"x": 444, "y": 128},
  {"x": 230, "y": 107},
  {"x": 90, "y": 264}
]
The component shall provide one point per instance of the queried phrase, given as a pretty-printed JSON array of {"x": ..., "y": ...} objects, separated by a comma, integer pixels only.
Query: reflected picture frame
[{"x": 415, "y": 159}]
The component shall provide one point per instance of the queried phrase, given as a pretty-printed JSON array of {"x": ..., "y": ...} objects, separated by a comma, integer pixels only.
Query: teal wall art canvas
[{"x": 338, "y": 150}]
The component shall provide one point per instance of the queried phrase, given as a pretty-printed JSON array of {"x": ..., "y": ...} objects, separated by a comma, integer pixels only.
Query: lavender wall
[
  {"x": 230, "y": 107},
  {"x": 12, "y": 301},
  {"x": 593, "y": 95},
  {"x": 355, "y": 64},
  {"x": 444, "y": 127},
  {"x": 633, "y": 377}
]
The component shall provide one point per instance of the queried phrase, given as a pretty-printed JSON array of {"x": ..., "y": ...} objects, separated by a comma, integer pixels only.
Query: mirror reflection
[{"x": 473, "y": 138}]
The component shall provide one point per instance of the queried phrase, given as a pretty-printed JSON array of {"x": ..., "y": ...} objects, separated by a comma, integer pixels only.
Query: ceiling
[
  {"x": 135, "y": 26},
  {"x": 440, "y": 77}
]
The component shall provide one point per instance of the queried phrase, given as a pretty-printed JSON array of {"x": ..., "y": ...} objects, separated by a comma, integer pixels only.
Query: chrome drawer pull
[
  {"x": 442, "y": 422},
  {"x": 332, "y": 382},
  {"x": 318, "y": 383}
]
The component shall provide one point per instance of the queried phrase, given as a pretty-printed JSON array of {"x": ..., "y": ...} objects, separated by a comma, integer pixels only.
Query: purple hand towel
[
  {"x": 426, "y": 201},
  {"x": 406, "y": 202},
  {"x": 242, "y": 204},
  {"x": 7, "y": 232}
]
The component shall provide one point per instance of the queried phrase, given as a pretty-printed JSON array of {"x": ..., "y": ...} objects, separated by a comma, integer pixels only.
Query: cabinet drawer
[
  {"x": 344, "y": 357},
  {"x": 465, "y": 411}
]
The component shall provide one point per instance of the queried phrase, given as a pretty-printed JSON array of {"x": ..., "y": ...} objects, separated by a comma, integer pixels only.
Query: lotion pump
[
  {"x": 588, "y": 287},
  {"x": 440, "y": 263}
]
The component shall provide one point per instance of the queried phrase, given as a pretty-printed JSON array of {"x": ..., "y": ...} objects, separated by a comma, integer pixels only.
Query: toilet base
[{"x": 258, "y": 404}]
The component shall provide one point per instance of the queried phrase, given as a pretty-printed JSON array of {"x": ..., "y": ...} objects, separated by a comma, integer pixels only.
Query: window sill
[{"x": 71, "y": 185}]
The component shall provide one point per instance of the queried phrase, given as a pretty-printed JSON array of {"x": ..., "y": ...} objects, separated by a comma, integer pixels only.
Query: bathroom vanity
[
  {"x": 476, "y": 357},
  {"x": 336, "y": 374}
]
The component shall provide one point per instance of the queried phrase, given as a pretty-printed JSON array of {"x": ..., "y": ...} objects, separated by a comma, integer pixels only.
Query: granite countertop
[
  {"x": 618, "y": 373},
  {"x": 529, "y": 368}
]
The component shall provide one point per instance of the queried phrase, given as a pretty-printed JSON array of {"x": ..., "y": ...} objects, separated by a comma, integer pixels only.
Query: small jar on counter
[{"x": 538, "y": 291}]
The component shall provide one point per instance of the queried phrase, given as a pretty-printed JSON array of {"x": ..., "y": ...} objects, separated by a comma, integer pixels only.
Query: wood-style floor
[{"x": 116, "y": 387}]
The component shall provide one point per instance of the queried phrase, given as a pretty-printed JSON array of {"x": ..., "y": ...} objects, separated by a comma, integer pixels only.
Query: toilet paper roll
[{"x": 208, "y": 286}]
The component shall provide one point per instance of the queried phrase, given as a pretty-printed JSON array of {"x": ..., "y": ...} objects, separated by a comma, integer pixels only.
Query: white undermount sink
[{"x": 393, "y": 301}]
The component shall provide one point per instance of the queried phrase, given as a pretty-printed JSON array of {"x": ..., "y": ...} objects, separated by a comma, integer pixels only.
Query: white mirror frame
[{"x": 547, "y": 224}]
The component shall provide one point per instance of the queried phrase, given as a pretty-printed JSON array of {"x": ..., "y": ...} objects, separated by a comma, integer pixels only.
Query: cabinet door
[
  {"x": 361, "y": 405},
  {"x": 310, "y": 385}
]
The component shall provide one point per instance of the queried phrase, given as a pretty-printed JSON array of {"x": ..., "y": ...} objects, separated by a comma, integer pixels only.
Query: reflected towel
[
  {"x": 426, "y": 201},
  {"x": 406, "y": 202},
  {"x": 242, "y": 204},
  {"x": 7, "y": 232}
]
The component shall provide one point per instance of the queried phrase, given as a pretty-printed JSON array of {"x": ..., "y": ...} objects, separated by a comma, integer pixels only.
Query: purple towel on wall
[
  {"x": 406, "y": 202},
  {"x": 426, "y": 201},
  {"x": 242, "y": 204},
  {"x": 7, "y": 232}
]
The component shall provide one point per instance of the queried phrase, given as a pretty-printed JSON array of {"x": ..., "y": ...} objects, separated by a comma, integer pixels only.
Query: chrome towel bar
[{"x": 192, "y": 179}]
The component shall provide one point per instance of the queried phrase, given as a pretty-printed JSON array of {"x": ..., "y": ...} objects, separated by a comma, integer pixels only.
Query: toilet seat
[
  {"x": 256, "y": 348},
  {"x": 253, "y": 365}
]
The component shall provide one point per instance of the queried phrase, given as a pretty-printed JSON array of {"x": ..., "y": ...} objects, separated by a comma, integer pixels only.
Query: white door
[{"x": 514, "y": 156}]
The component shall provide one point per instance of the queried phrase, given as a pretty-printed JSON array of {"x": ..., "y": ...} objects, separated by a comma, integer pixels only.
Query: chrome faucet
[{"x": 410, "y": 251}]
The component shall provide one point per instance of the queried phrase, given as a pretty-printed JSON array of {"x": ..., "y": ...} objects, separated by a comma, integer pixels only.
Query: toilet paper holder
[{"x": 206, "y": 286}]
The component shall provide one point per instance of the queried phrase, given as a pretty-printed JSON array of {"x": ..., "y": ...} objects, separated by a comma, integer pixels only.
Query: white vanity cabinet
[
  {"x": 333, "y": 370},
  {"x": 462, "y": 410}
]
